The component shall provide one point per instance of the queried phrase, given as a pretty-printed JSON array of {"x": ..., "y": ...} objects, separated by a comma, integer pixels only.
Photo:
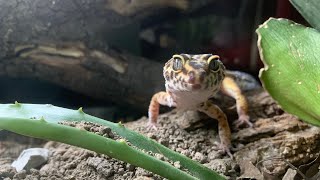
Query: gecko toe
[
  {"x": 243, "y": 121},
  {"x": 224, "y": 149},
  {"x": 151, "y": 126}
]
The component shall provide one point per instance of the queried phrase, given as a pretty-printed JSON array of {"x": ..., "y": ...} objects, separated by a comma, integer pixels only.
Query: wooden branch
[{"x": 110, "y": 75}]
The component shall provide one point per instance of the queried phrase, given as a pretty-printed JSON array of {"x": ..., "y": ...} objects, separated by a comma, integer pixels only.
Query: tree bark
[
  {"x": 110, "y": 75},
  {"x": 65, "y": 42},
  {"x": 34, "y": 21}
]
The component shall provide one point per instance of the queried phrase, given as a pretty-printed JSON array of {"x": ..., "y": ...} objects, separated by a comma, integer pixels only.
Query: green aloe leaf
[
  {"x": 41, "y": 121},
  {"x": 291, "y": 55},
  {"x": 309, "y": 9},
  {"x": 40, "y": 128}
]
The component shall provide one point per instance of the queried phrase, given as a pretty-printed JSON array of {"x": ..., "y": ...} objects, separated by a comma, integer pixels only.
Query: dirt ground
[{"x": 272, "y": 149}]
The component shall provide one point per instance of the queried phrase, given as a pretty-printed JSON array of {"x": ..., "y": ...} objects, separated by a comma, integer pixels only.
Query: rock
[
  {"x": 20, "y": 175},
  {"x": 221, "y": 166},
  {"x": 249, "y": 171},
  {"x": 200, "y": 157},
  {"x": 6, "y": 171},
  {"x": 31, "y": 158},
  {"x": 290, "y": 174},
  {"x": 313, "y": 170}
]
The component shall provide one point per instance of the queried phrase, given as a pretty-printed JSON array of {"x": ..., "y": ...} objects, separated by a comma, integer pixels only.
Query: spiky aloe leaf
[{"x": 26, "y": 119}]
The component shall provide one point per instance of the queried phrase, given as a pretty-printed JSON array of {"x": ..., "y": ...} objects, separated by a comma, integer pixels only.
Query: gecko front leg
[
  {"x": 163, "y": 98},
  {"x": 215, "y": 112},
  {"x": 230, "y": 88}
]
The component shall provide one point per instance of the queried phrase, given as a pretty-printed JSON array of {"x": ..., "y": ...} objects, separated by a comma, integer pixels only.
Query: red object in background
[
  {"x": 238, "y": 55},
  {"x": 235, "y": 57},
  {"x": 284, "y": 9}
]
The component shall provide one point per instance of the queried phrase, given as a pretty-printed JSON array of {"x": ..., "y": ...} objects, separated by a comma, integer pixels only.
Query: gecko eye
[
  {"x": 214, "y": 64},
  {"x": 178, "y": 63}
]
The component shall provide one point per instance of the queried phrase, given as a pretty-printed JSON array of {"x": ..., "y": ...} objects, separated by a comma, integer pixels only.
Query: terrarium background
[{"x": 153, "y": 32}]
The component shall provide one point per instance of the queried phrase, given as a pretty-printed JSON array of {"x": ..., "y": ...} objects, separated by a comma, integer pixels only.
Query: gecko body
[{"x": 190, "y": 81}]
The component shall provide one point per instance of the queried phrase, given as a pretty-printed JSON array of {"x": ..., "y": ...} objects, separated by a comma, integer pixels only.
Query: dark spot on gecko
[
  {"x": 178, "y": 78},
  {"x": 183, "y": 80},
  {"x": 202, "y": 76},
  {"x": 215, "y": 81},
  {"x": 211, "y": 82},
  {"x": 166, "y": 76},
  {"x": 175, "y": 75},
  {"x": 184, "y": 71},
  {"x": 195, "y": 65},
  {"x": 171, "y": 75},
  {"x": 192, "y": 77},
  {"x": 174, "y": 82},
  {"x": 219, "y": 77}
]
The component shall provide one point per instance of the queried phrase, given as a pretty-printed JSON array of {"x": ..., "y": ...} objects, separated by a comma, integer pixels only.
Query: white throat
[{"x": 189, "y": 100}]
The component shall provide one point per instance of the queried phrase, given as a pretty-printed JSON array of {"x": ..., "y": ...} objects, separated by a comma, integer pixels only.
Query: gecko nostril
[{"x": 191, "y": 77}]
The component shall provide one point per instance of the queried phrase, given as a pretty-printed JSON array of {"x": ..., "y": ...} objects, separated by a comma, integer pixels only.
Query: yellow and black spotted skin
[
  {"x": 195, "y": 73},
  {"x": 190, "y": 80}
]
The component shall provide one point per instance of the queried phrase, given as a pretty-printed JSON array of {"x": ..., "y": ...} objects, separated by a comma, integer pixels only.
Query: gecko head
[{"x": 185, "y": 72}]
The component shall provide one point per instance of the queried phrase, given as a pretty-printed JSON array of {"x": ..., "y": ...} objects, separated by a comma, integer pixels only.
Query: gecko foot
[
  {"x": 152, "y": 125},
  {"x": 224, "y": 149},
  {"x": 243, "y": 121}
]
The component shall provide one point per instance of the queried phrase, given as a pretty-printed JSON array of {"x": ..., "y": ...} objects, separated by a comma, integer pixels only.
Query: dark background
[{"x": 223, "y": 27}]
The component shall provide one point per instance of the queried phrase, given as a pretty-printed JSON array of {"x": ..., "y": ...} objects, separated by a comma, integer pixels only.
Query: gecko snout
[{"x": 191, "y": 77}]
